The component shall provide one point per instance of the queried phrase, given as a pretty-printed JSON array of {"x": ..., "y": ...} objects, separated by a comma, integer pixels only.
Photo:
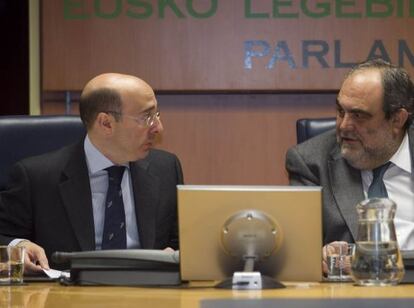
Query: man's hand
[
  {"x": 334, "y": 248},
  {"x": 35, "y": 258}
]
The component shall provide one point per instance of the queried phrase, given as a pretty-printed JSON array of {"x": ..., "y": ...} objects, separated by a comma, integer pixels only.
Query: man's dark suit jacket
[
  {"x": 318, "y": 161},
  {"x": 49, "y": 201}
]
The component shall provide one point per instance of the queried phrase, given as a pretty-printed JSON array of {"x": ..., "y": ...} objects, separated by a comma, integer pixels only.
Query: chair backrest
[
  {"x": 308, "y": 128},
  {"x": 24, "y": 136}
]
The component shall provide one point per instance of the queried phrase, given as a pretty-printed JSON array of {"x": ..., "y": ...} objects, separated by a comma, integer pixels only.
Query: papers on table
[{"x": 55, "y": 274}]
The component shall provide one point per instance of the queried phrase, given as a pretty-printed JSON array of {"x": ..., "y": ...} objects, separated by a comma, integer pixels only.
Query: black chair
[
  {"x": 308, "y": 128},
  {"x": 24, "y": 136}
]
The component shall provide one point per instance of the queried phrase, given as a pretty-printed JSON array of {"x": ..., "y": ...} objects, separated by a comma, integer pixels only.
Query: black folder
[
  {"x": 408, "y": 260},
  {"x": 122, "y": 267}
]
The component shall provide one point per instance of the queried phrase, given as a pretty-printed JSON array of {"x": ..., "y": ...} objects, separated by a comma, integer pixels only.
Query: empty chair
[
  {"x": 24, "y": 136},
  {"x": 308, "y": 128}
]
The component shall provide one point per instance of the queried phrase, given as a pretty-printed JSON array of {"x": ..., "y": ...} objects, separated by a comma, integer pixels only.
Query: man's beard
[
  {"x": 364, "y": 158},
  {"x": 359, "y": 158}
]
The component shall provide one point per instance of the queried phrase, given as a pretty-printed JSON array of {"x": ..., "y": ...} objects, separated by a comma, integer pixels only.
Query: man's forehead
[
  {"x": 362, "y": 87},
  {"x": 364, "y": 79},
  {"x": 138, "y": 101}
]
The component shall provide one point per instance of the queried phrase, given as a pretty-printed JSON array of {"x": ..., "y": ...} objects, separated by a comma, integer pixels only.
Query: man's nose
[
  {"x": 346, "y": 122},
  {"x": 157, "y": 127}
]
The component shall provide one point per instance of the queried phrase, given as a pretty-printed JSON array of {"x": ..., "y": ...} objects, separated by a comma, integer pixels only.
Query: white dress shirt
[
  {"x": 400, "y": 189},
  {"x": 98, "y": 178}
]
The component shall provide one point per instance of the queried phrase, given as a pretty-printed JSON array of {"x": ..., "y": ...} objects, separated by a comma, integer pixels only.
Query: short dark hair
[
  {"x": 397, "y": 85},
  {"x": 99, "y": 100}
]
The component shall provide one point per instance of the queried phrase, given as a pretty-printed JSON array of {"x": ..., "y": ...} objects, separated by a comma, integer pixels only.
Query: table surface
[{"x": 41, "y": 294}]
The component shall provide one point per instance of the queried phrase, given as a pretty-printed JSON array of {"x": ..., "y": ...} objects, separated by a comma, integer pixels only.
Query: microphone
[{"x": 60, "y": 257}]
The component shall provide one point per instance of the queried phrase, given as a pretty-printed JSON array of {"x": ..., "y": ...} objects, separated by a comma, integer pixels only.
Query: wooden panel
[
  {"x": 310, "y": 44},
  {"x": 232, "y": 138}
]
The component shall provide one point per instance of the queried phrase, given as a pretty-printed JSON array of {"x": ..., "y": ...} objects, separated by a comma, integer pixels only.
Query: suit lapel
[
  {"x": 146, "y": 189},
  {"x": 346, "y": 189},
  {"x": 76, "y": 195}
]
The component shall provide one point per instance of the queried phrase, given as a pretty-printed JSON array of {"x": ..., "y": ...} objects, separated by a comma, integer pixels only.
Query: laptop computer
[{"x": 203, "y": 212}]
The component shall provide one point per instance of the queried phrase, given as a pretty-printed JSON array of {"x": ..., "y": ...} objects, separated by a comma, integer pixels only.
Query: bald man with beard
[{"x": 56, "y": 201}]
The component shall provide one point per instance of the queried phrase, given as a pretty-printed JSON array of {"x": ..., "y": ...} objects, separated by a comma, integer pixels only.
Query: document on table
[{"x": 55, "y": 274}]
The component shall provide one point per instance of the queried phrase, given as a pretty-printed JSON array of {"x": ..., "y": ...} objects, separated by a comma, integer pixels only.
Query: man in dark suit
[
  {"x": 374, "y": 113},
  {"x": 58, "y": 201}
]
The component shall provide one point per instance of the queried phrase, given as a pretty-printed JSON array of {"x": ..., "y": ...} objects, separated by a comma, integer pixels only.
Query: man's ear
[
  {"x": 399, "y": 118},
  {"x": 104, "y": 122}
]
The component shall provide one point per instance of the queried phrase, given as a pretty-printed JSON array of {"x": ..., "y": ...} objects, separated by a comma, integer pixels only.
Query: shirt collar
[
  {"x": 95, "y": 160},
  {"x": 402, "y": 157}
]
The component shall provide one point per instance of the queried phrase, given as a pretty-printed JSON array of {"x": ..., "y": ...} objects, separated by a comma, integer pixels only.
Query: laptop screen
[{"x": 295, "y": 212}]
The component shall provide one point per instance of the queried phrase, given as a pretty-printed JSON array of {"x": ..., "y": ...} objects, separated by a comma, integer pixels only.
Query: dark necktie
[
  {"x": 377, "y": 188},
  {"x": 114, "y": 235}
]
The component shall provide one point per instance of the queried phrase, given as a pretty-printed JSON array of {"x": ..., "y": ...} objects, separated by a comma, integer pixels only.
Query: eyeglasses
[{"x": 146, "y": 120}]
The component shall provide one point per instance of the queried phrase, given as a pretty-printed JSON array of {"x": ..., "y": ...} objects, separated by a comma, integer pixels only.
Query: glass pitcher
[{"x": 377, "y": 259}]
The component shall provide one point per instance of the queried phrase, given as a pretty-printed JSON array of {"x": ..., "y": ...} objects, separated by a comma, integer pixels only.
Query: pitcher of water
[{"x": 377, "y": 260}]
